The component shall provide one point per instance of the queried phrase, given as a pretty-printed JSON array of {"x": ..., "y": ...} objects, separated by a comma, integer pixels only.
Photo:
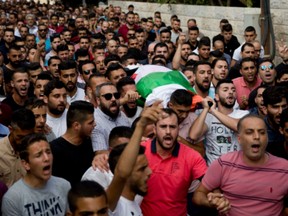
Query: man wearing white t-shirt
[
  {"x": 55, "y": 96},
  {"x": 249, "y": 35},
  {"x": 219, "y": 125},
  {"x": 68, "y": 75}
]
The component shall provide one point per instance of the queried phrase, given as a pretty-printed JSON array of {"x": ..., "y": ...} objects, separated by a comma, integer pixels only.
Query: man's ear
[
  {"x": 45, "y": 99},
  {"x": 25, "y": 164}
]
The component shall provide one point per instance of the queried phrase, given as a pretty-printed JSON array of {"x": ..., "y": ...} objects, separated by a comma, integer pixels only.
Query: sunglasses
[
  {"x": 42, "y": 30},
  {"x": 109, "y": 96},
  {"x": 264, "y": 67},
  {"x": 87, "y": 72}
]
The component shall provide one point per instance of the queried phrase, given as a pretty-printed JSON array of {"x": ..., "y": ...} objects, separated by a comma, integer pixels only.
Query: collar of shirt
[
  {"x": 175, "y": 151},
  {"x": 106, "y": 116}
]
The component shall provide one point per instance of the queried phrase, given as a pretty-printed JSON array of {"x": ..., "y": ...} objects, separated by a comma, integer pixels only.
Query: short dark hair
[
  {"x": 82, "y": 63},
  {"x": 250, "y": 29},
  {"x": 123, "y": 82},
  {"x": 283, "y": 118},
  {"x": 116, "y": 153},
  {"x": 247, "y": 44},
  {"x": 62, "y": 47},
  {"x": 23, "y": 118},
  {"x": 181, "y": 97},
  {"x": 274, "y": 94},
  {"x": 53, "y": 58},
  {"x": 160, "y": 45},
  {"x": 220, "y": 82},
  {"x": 204, "y": 41},
  {"x": 214, "y": 62},
  {"x": 227, "y": 27},
  {"x": 81, "y": 53},
  {"x": 198, "y": 63},
  {"x": 67, "y": 65},
  {"x": 44, "y": 76},
  {"x": 119, "y": 131},
  {"x": 78, "y": 111},
  {"x": 21, "y": 70},
  {"x": 247, "y": 59},
  {"x": 113, "y": 67},
  {"x": 51, "y": 85},
  {"x": 33, "y": 103},
  {"x": 34, "y": 66},
  {"x": 28, "y": 141},
  {"x": 110, "y": 58},
  {"x": 84, "y": 189},
  {"x": 194, "y": 28},
  {"x": 53, "y": 36}
]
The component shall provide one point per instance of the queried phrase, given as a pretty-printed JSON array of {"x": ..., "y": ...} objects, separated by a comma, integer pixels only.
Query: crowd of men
[{"x": 75, "y": 140}]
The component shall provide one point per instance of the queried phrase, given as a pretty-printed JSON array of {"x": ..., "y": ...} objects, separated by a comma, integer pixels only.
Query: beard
[
  {"x": 57, "y": 111},
  {"x": 107, "y": 111},
  {"x": 130, "y": 112},
  {"x": 16, "y": 64},
  {"x": 71, "y": 86},
  {"x": 201, "y": 87},
  {"x": 225, "y": 104}
]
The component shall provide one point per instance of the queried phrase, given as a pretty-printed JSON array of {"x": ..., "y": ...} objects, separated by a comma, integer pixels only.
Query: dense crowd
[{"x": 104, "y": 112}]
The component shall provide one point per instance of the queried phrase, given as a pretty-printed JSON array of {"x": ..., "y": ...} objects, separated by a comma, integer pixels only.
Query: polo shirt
[
  {"x": 170, "y": 179},
  {"x": 11, "y": 169},
  {"x": 242, "y": 89}
]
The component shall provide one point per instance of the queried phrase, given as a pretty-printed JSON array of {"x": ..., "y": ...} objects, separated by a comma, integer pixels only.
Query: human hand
[
  {"x": 283, "y": 49},
  {"x": 218, "y": 201},
  {"x": 152, "y": 114},
  {"x": 100, "y": 161}
]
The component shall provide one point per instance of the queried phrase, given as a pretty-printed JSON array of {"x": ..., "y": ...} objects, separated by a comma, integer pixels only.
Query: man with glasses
[
  {"x": 43, "y": 35},
  {"x": 108, "y": 116},
  {"x": 69, "y": 75},
  {"x": 267, "y": 72},
  {"x": 85, "y": 68}
]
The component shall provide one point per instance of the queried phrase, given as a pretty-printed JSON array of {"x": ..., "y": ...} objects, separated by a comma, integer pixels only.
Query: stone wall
[{"x": 208, "y": 17}]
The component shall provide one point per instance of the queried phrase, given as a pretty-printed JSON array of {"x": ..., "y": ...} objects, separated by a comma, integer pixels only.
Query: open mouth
[
  {"x": 47, "y": 168},
  {"x": 255, "y": 148}
]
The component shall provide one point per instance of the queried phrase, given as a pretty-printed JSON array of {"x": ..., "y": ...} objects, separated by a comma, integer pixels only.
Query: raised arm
[
  {"x": 128, "y": 158},
  {"x": 199, "y": 127}
]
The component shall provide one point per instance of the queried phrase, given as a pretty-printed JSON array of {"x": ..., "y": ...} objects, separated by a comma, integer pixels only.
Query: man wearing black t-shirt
[{"x": 72, "y": 152}]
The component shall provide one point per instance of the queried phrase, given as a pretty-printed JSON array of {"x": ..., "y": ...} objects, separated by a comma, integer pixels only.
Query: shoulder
[
  {"x": 237, "y": 113},
  {"x": 230, "y": 158},
  {"x": 63, "y": 183}
]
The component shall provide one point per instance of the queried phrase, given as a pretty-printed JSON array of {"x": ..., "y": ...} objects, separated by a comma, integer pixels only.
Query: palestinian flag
[{"x": 155, "y": 82}]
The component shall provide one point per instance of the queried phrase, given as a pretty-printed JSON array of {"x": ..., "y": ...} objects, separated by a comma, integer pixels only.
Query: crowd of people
[{"x": 77, "y": 140}]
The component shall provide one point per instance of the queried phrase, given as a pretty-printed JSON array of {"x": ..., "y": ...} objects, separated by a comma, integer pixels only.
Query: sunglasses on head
[
  {"x": 87, "y": 72},
  {"x": 109, "y": 96},
  {"x": 264, "y": 67}
]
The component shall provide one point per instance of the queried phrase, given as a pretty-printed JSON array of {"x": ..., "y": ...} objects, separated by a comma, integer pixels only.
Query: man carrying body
[
  {"x": 219, "y": 125},
  {"x": 174, "y": 167},
  {"x": 108, "y": 115},
  {"x": 242, "y": 175}
]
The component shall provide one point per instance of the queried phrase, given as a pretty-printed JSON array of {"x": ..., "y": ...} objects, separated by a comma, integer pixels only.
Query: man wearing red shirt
[
  {"x": 174, "y": 168},
  {"x": 123, "y": 30}
]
